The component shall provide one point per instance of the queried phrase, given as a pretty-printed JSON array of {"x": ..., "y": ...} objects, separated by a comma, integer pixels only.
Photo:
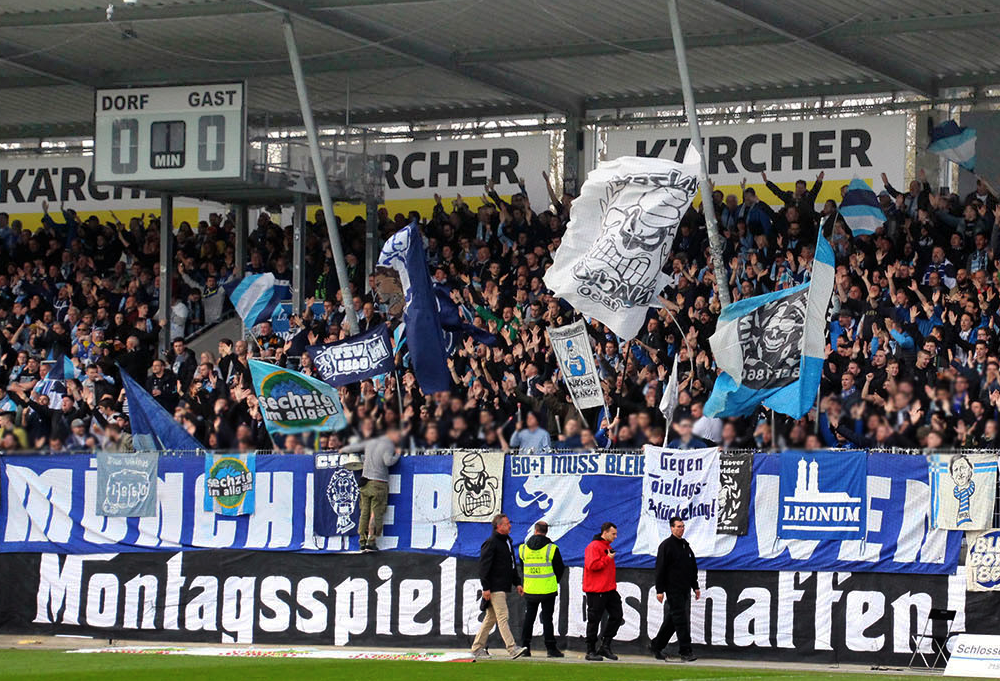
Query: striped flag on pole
[
  {"x": 860, "y": 208},
  {"x": 955, "y": 143},
  {"x": 256, "y": 297},
  {"x": 771, "y": 347}
]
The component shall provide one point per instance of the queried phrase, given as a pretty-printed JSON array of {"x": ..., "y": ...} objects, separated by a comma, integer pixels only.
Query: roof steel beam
[
  {"x": 42, "y": 65},
  {"x": 734, "y": 95},
  {"x": 769, "y": 15},
  {"x": 145, "y": 12},
  {"x": 548, "y": 97},
  {"x": 861, "y": 29},
  {"x": 349, "y": 62}
]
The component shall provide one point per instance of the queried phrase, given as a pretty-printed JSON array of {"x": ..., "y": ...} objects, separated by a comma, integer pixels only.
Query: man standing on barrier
[
  {"x": 498, "y": 575},
  {"x": 676, "y": 578},
  {"x": 381, "y": 454},
  {"x": 602, "y": 593},
  {"x": 543, "y": 568}
]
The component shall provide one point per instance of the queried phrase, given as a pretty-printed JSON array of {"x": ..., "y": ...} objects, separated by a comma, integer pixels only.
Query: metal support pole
[
  {"x": 945, "y": 169},
  {"x": 371, "y": 240},
  {"x": 166, "y": 267},
  {"x": 573, "y": 156},
  {"x": 299, "y": 254},
  {"x": 351, "y": 317},
  {"x": 242, "y": 230},
  {"x": 711, "y": 224}
]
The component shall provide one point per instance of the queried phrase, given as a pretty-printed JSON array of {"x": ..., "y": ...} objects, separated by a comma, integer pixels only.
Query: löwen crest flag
[
  {"x": 771, "y": 347},
  {"x": 291, "y": 402},
  {"x": 620, "y": 233}
]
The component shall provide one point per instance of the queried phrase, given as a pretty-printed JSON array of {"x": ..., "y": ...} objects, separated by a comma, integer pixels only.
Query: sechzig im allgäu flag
[
  {"x": 955, "y": 143},
  {"x": 620, "y": 233},
  {"x": 860, "y": 208},
  {"x": 292, "y": 402},
  {"x": 771, "y": 347},
  {"x": 402, "y": 280},
  {"x": 230, "y": 480}
]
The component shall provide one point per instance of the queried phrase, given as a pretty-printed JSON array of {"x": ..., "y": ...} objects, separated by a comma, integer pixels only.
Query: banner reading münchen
[{"x": 295, "y": 403}]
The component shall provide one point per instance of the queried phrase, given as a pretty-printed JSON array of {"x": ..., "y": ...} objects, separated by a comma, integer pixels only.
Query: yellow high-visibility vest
[{"x": 539, "y": 577}]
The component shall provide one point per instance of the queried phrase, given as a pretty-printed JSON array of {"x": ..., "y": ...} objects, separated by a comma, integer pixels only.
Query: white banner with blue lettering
[
  {"x": 822, "y": 495},
  {"x": 682, "y": 484},
  {"x": 47, "y": 505}
]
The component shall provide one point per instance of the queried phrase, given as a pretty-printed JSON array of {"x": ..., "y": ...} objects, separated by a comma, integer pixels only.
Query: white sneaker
[
  {"x": 518, "y": 652},
  {"x": 481, "y": 654}
]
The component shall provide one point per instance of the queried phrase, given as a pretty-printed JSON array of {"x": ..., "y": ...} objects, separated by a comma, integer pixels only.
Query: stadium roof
[{"x": 422, "y": 60}]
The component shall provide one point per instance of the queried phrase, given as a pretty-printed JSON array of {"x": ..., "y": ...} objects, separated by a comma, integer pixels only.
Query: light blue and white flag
[
  {"x": 860, "y": 208},
  {"x": 61, "y": 369},
  {"x": 771, "y": 347},
  {"x": 955, "y": 143},
  {"x": 256, "y": 297}
]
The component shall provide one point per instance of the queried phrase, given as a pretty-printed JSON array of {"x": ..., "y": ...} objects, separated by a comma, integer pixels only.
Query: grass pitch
[{"x": 41, "y": 665}]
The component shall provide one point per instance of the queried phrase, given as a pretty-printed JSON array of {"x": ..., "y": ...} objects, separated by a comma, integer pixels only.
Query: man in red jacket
[{"x": 602, "y": 593}]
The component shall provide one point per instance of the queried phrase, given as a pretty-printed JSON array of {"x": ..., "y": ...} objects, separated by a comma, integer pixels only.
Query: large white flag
[
  {"x": 576, "y": 362},
  {"x": 620, "y": 232}
]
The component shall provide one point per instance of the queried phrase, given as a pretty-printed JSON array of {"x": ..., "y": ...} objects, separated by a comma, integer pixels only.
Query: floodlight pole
[
  {"x": 350, "y": 316},
  {"x": 711, "y": 224}
]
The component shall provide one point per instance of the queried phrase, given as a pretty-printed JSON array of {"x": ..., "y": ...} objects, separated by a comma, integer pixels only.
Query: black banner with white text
[{"x": 425, "y": 601}]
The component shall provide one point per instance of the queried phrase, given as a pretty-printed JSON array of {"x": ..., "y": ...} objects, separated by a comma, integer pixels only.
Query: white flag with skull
[{"x": 621, "y": 230}]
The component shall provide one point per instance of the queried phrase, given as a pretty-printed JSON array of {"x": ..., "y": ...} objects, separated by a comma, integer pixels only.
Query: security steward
[
  {"x": 543, "y": 568},
  {"x": 676, "y": 578}
]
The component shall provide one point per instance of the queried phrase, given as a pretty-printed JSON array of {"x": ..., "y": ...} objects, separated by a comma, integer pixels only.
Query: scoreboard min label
[{"x": 186, "y": 132}]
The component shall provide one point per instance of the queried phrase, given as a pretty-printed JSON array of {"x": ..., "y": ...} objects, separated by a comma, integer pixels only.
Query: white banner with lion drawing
[{"x": 476, "y": 486}]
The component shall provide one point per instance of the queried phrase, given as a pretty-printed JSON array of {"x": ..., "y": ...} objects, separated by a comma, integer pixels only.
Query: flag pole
[
  {"x": 683, "y": 336},
  {"x": 711, "y": 224}
]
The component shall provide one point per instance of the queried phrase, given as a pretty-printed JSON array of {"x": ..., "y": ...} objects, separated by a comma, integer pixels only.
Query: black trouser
[
  {"x": 598, "y": 604},
  {"x": 677, "y": 620},
  {"x": 548, "y": 603}
]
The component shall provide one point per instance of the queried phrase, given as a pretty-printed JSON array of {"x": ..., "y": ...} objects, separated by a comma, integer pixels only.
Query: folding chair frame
[{"x": 939, "y": 647}]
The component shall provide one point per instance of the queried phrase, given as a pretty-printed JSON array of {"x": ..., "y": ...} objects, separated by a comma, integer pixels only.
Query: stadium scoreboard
[{"x": 183, "y": 132}]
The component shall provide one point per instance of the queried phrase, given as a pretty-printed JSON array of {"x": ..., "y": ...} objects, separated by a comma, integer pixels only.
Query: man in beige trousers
[{"x": 498, "y": 575}]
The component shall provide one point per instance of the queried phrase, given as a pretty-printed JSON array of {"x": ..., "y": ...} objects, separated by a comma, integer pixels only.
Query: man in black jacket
[
  {"x": 498, "y": 576},
  {"x": 676, "y": 578}
]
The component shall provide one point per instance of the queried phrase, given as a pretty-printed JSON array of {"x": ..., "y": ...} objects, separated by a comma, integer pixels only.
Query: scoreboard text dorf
[{"x": 185, "y": 132}]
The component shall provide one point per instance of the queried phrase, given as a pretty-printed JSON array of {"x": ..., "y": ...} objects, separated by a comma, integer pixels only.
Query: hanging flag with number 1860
[{"x": 621, "y": 229}]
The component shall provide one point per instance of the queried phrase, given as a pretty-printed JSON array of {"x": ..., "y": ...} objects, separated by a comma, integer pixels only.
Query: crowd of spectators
[{"x": 913, "y": 357}]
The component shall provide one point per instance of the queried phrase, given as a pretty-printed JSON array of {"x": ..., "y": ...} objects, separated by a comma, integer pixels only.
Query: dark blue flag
[
  {"x": 153, "y": 428},
  {"x": 354, "y": 359},
  {"x": 402, "y": 267},
  {"x": 335, "y": 498},
  {"x": 455, "y": 328}
]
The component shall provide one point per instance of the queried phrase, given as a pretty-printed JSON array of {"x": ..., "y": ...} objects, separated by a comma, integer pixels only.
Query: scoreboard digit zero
[{"x": 186, "y": 132}]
